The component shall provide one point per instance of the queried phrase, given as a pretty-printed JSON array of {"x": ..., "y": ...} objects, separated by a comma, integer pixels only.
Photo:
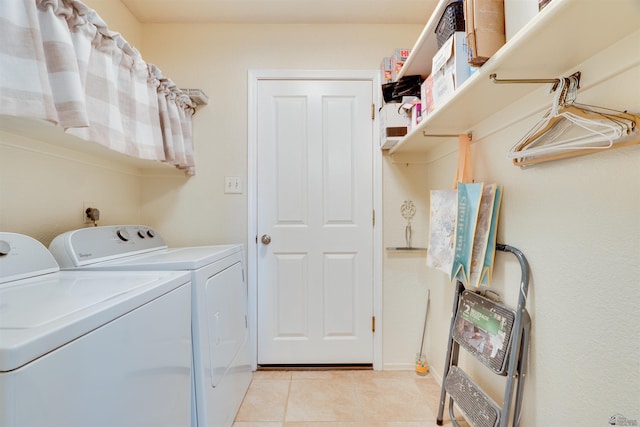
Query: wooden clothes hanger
[
  {"x": 597, "y": 129},
  {"x": 599, "y": 125},
  {"x": 631, "y": 137}
]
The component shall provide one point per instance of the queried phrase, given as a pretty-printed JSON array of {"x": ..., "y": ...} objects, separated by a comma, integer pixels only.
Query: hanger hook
[
  {"x": 572, "y": 92},
  {"x": 559, "y": 97}
]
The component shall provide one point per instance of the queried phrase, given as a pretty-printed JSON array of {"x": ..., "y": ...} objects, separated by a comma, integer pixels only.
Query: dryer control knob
[
  {"x": 5, "y": 248},
  {"x": 123, "y": 235},
  {"x": 141, "y": 234},
  {"x": 150, "y": 233}
]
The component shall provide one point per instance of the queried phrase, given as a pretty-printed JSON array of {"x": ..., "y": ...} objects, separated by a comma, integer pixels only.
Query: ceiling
[{"x": 283, "y": 11}]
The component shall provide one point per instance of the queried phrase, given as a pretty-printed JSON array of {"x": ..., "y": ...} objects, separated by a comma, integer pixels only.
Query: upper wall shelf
[
  {"x": 561, "y": 36},
  {"x": 45, "y": 137},
  {"x": 419, "y": 61}
]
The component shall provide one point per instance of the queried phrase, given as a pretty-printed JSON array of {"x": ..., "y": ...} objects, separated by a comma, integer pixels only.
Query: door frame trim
[{"x": 253, "y": 77}]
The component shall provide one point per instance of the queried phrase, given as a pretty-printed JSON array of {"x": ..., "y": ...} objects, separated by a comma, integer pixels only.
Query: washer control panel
[
  {"x": 97, "y": 244},
  {"x": 23, "y": 256},
  {"x": 5, "y": 248}
]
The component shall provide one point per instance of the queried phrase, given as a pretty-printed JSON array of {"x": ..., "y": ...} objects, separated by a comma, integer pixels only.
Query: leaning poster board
[
  {"x": 490, "y": 253},
  {"x": 468, "y": 208},
  {"x": 462, "y": 232},
  {"x": 484, "y": 242},
  {"x": 442, "y": 214}
]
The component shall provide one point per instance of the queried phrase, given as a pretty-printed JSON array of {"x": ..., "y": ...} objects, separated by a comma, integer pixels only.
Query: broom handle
[{"x": 424, "y": 328}]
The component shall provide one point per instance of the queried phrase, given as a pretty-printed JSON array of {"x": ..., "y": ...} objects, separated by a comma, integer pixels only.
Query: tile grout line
[
  {"x": 286, "y": 402},
  {"x": 361, "y": 405}
]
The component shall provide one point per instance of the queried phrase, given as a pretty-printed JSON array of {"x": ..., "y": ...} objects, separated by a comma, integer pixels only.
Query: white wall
[
  {"x": 216, "y": 58},
  {"x": 577, "y": 222},
  {"x": 405, "y": 273},
  {"x": 43, "y": 188}
]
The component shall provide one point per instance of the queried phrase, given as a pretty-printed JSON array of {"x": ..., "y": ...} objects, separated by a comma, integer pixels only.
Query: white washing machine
[
  {"x": 89, "y": 348},
  {"x": 221, "y": 351}
]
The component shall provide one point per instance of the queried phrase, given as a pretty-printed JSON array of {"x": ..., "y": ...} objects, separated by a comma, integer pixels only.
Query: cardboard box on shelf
[
  {"x": 450, "y": 68},
  {"x": 485, "y": 28},
  {"x": 426, "y": 96},
  {"x": 394, "y": 124},
  {"x": 398, "y": 59},
  {"x": 416, "y": 115},
  {"x": 386, "y": 68},
  {"x": 393, "y": 115}
]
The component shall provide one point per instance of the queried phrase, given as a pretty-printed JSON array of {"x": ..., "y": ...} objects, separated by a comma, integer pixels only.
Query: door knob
[{"x": 266, "y": 239}]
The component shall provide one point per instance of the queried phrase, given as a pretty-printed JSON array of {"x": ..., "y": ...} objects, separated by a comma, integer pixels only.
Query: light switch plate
[{"x": 232, "y": 185}]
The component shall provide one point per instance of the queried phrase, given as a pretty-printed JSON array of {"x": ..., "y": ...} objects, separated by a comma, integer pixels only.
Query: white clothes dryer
[
  {"x": 221, "y": 349},
  {"x": 90, "y": 348}
]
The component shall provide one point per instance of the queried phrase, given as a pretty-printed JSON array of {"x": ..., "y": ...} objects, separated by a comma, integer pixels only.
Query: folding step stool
[{"x": 499, "y": 338}]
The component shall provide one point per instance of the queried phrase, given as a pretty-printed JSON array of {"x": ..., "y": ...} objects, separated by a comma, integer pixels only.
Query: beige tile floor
[{"x": 340, "y": 398}]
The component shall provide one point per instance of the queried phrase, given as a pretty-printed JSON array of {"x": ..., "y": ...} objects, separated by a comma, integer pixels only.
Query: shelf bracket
[
  {"x": 433, "y": 135},
  {"x": 495, "y": 79}
]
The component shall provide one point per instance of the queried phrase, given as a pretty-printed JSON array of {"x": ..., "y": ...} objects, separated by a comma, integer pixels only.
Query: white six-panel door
[{"x": 314, "y": 222}]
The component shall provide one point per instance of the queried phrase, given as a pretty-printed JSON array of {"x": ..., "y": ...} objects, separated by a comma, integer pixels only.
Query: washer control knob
[
  {"x": 141, "y": 234},
  {"x": 5, "y": 248},
  {"x": 123, "y": 235},
  {"x": 150, "y": 233}
]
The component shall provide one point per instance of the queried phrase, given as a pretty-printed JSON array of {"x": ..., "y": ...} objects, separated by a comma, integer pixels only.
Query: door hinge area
[
  {"x": 373, "y": 323},
  {"x": 373, "y": 111},
  {"x": 373, "y": 217}
]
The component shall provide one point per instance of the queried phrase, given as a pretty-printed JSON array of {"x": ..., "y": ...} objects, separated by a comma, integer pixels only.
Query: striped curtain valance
[{"x": 59, "y": 62}]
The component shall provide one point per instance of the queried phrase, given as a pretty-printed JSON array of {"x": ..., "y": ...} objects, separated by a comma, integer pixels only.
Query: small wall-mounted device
[{"x": 92, "y": 215}]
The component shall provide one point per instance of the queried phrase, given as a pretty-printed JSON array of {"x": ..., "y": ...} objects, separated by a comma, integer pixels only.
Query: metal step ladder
[{"x": 498, "y": 337}]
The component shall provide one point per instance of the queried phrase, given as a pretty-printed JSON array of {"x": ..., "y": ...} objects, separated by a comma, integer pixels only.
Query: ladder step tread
[{"x": 478, "y": 408}]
